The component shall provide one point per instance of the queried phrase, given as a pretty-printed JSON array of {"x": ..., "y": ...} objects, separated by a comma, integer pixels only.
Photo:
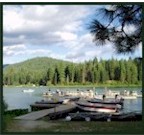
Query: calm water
[{"x": 16, "y": 99}]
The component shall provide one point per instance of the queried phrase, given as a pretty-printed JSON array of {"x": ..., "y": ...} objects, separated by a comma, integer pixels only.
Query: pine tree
[
  {"x": 134, "y": 74},
  {"x": 123, "y": 15},
  {"x": 122, "y": 72}
]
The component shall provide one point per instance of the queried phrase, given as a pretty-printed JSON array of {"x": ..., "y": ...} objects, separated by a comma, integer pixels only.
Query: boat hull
[
  {"x": 99, "y": 101},
  {"x": 90, "y": 109},
  {"x": 49, "y": 102},
  {"x": 95, "y": 107}
]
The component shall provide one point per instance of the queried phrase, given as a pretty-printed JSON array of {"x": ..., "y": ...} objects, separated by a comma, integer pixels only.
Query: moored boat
[
  {"x": 47, "y": 94},
  {"x": 29, "y": 90},
  {"x": 108, "y": 102},
  {"x": 72, "y": 98},
  {"x": 96, "y": 107},
  {"x": 139, "y": 96},
  {"x": 49, "y": 102}
]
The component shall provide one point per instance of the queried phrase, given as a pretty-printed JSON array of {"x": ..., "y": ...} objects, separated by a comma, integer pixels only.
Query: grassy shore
[
  {"x": 82, "y": 85},
  {"x": 76, "y": 127},
  {"x": 61, "y": 126}
]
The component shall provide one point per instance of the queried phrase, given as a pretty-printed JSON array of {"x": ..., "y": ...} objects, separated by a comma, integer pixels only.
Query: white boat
[
  {"x": 103, "y": 110},
  {"x": 129, "y": 94},
  {"x": 28, "y": 91},
  {"x": 96, "y": 107},
  {"x": 129, "y": 97},
  {"x": 139, "y": 96},
  {"x": 126, "y": 94}
]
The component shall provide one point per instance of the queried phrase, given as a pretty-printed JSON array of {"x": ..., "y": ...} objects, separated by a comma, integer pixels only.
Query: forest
[{"x": 48, "y": 71}]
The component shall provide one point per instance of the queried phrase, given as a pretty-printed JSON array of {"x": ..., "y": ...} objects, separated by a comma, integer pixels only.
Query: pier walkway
[{"x": 39, "y": 114}]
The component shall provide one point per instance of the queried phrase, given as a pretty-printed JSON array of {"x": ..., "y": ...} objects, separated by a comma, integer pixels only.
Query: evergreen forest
[{"x": 48, "y": 71}]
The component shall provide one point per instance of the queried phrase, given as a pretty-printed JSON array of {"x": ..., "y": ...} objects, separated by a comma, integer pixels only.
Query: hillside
[
  {"x": 38, "y": 63},
  {"x": 49, "y": 71}
]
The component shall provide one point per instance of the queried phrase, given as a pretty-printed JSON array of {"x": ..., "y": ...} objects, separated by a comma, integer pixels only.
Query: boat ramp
[{"x": 46, "y": 112}]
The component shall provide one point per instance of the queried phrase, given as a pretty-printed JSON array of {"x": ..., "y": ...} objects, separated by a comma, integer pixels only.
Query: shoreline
[{"x": 80, "y": 86}]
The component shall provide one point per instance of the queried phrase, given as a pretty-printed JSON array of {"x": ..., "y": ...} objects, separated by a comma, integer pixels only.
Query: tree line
[{"x": 66, "y": 73}]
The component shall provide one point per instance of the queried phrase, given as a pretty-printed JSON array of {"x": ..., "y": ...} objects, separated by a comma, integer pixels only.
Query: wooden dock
[{"x": 42, "y": 113}]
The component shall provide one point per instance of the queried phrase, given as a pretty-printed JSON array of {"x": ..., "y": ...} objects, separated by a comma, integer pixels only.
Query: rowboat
[
  {"x": 96, "y": 107},
  {"x": 95, "y": 116},
  {"x": 44, "y": 106},
  {"x": 49, "y": 102},
  {"x": 72, "y": 98},
  {"x": 107, "y": 102}
]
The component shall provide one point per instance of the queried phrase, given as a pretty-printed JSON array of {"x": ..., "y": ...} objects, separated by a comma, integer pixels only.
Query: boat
[
  {"x": 72, "y": 98},
  {"x": 126, "y": 94},
  {"x": 49, "y": 102},
  {"x": 111, "y": 93},
  {"x": 129, "y": 94},
  {"x": 139, "y": 96},
  {"x": 107, "y": 102},
  {"x": 129, "y": 97},
  {"x": 42, "y": 106},
  {"x": 47, "y": 94},
  {"x": 28, "y": 91},
  {"x": 96, "y": 107},
  {"x": 95, "y": 116}
]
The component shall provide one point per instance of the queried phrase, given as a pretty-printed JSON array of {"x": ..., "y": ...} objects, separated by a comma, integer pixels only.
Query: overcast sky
[{"x": 57, "y": 31}]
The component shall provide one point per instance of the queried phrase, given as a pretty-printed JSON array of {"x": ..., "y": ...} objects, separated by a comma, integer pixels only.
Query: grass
[
  {"x": 56, "y": 126},
  {"x": 60, "y": 126},
  {"x": 96, "y": 127},
  {"x": 7, "y": 120}
]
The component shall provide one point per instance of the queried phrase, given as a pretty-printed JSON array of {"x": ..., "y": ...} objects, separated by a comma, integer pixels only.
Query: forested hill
[
  {"x": 49, "y": 71},
  {"x": 38, "y": 63}
]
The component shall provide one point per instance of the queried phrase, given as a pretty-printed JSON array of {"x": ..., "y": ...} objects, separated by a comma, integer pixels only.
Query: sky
[{"x": 57, "y": 31}]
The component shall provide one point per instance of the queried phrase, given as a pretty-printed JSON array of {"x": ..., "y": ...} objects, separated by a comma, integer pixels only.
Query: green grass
[
  {"x": 7, "y": 120},
  {"x": 59, "y": 126},
  {"x": 95, "y": 127},
  {"x": 9, "y": 116},
  {"x": 131, "y": 127}
]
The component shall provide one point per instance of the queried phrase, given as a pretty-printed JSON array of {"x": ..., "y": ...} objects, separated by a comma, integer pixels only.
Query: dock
[{"x": 46, "y": 112}]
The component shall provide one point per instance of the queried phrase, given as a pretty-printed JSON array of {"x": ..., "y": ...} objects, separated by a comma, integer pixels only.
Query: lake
[{"x": 17, "y": 99}]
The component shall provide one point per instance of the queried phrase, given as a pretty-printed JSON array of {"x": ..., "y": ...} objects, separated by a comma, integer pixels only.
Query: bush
[
  {"x": 16, "y": 112},
  {"x": 5, "y": 105}
]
